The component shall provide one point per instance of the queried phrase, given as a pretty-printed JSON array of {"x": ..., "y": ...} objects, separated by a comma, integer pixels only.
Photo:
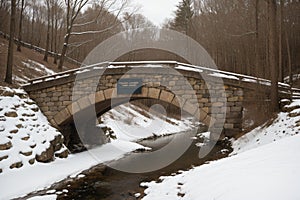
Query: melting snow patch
[{"x": 38, "y": 67}]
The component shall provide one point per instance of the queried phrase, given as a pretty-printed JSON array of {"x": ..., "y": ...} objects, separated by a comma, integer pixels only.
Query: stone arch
[{"x": 105, "y": 97}]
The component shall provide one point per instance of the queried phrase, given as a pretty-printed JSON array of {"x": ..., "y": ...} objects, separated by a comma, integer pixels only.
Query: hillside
[{"x": 28, "y": 64}]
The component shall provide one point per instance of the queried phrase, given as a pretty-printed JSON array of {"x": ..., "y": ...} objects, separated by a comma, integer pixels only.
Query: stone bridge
[{"x": 213, "y": 97}]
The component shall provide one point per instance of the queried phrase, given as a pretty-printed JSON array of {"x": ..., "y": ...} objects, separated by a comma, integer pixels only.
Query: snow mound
[{"x": 25, "y": 134}]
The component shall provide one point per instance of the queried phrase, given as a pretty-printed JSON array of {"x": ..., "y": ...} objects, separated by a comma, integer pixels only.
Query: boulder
[
  {"x": 16, "y": 165},
  {"x": 63, "y": 154},
  {"x": 11, "y": 114},
  {"x": 46, "y": 156},
  {"x": 6, "y": 146}
]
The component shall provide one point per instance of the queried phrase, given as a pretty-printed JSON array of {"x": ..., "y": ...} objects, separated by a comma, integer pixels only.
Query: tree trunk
[
  {"x": 64, "y": 50},
  {"x": 48, "y": 32},
  {"x": 55, "y": 41},
  {"x": 256, "y": 71},
  {"x": 281, "y": 74},
  {"x": 20, "y": 26},
  {"x": 10, "y": 54},
  {"x": 272, "y": 55},
  {"x": 289, "y": 59}
]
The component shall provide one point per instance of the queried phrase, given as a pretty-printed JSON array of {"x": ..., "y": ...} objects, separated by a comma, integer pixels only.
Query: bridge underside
[{"x": 85, "y": 111}]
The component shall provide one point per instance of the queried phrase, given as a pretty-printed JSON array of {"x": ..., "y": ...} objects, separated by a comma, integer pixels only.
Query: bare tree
[
  {"x": 10, "y": 54},
  {"x": 273, "y": 54},
  {"x": 110, "y": 9},
  {"x": 22, "y": 7},
  {"x": 47, "y": 2},
  {"x": 280, "y": 27},
  {"x": 73, "y": 10}
]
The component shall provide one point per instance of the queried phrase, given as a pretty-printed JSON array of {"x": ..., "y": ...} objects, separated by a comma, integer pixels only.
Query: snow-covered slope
[
  {"x": 265, "y": 165},
  {"x": 131, "y": 123},
  {"x": 286, "y": 124},
  {"x": 268, "y": 172},
  {"x": 25, "y": 134}
]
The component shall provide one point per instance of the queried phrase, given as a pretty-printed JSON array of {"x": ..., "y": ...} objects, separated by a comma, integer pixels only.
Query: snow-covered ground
[
  {"x": 25, "y": 180},
  {"x": 264, "y": 165},
  {"x": 131, "y": 123},
  {"x": 24, "y": 131}
]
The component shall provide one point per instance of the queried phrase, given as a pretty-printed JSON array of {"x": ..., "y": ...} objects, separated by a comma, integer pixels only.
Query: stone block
[
  {"x": 97, "y": 97},
  {"x": 84, "y": 102},
  {"x": 57, "y": 94},
  {"x": 154, "y": 93},
  {"x": 203, "y": 100},
  {"x": 66, "y": 103},
  {"x": 60, "y": 117},
  {"x": 236, "y": 109},
  {"x": 218, "y": 104},
  {"x": 108, "y": 93},
  {"x": 190, "y": 108},
  {"x": 166, "y": 96},
  {"x": 233, "y": 99},
  {"x": 228, "y": 126}
]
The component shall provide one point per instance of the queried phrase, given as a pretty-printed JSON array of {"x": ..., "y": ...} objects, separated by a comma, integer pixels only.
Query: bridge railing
[{"x": 240, "y": 78}]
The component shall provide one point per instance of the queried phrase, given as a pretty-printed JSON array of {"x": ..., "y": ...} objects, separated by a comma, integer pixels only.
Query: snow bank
[
  {"x": 264, "y": 165},
  {"x": 39, "y": 176},
  {"x": 283, "y": 126},
  {"x": 268, "y": 172}
]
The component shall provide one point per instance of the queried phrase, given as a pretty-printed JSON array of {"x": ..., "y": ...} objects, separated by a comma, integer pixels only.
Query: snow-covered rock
[{"x": 25, "y": 134}]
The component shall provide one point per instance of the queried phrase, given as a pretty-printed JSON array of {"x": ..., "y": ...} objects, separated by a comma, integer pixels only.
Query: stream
[{"x": 106, "y": 183}]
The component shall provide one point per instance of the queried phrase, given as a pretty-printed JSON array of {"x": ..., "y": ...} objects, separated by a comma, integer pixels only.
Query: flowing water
[{"x": 106, "y": 183}]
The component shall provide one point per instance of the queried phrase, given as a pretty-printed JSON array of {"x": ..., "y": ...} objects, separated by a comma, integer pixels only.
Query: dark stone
[
  {"x": 11, "y": 114},
  {"x": 6, "y": 146},
  {"x": 63, "y": 154},
  {"x": 46, "y": 156},
  {"x": 3, "y": 157},
  {"x": 16, "y": 165}
]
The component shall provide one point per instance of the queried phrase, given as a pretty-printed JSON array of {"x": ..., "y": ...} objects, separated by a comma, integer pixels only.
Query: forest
[{"x": 257, "y": 38}]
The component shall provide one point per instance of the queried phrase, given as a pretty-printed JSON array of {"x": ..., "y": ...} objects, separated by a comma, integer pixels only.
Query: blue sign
[{"x": 130, "y": 86}]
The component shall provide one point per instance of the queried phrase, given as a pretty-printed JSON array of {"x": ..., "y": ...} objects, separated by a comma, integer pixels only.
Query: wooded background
[{"x": 236, "y": 33}]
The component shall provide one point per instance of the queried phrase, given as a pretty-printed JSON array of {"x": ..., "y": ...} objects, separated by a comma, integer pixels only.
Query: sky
[{"x": 157, "y": 11}]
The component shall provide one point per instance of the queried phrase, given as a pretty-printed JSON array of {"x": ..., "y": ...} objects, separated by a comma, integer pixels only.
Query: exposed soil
[{"x": 19, "y": 69}]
